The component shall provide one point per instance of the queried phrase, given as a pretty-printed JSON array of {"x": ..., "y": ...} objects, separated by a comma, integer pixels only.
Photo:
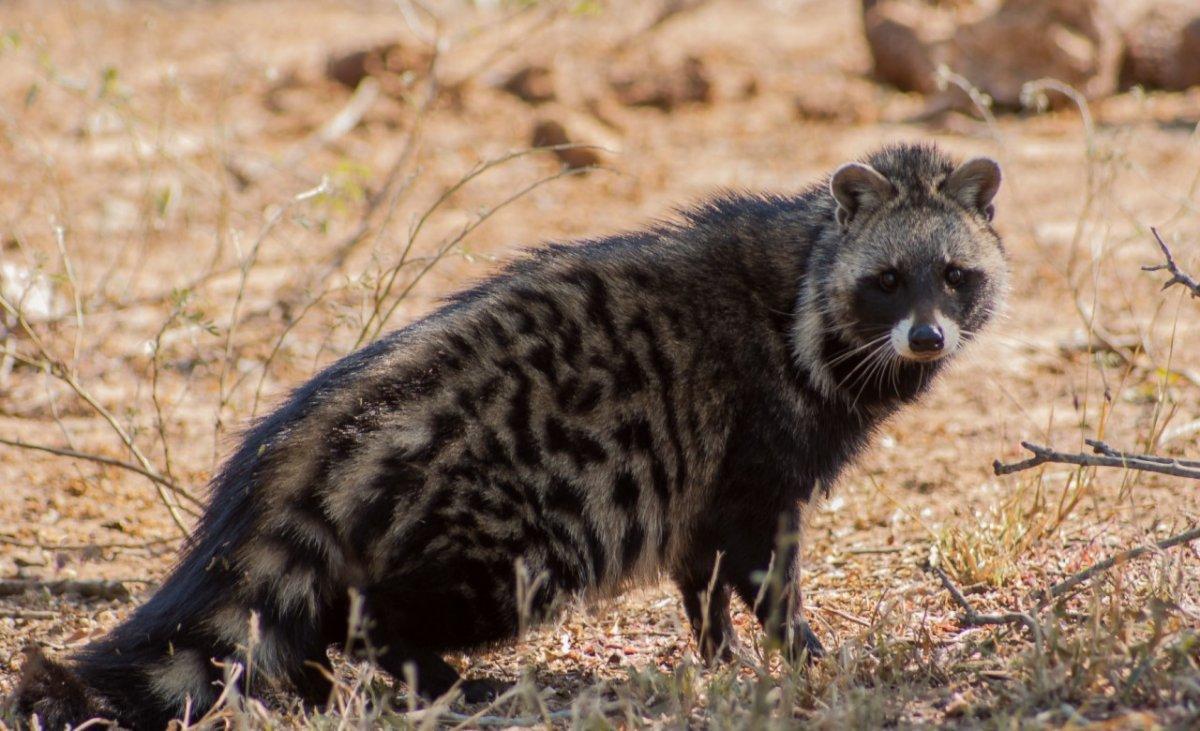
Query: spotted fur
[{"x": 598, "y": 413}]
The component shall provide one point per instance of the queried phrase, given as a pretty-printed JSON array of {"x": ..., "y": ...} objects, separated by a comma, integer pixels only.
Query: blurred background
[{"x": 201, "y": 203}]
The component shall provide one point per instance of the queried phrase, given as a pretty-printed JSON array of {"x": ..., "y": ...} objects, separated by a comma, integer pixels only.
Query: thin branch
[
  {"x": 1178, "y": 276},
  {"x": 1062, "y": 587},
  {"x": 446, "y": 716},
  {"x": 1103, "y": 448},
  {"x": 844, "y": 615},
  {"x": 97, "y": 589},
  {"x": 972, "y": 618},
  {"x": 1106, "y": 457},
  {"x": 110, "y": 307},
  {"x": 381, "y": 321},
  {"x": 59, "y": 370},
  {"x": 390, "y": 189},
  {"x": 387, "y": 280},
  {"x": 344, "y": 121},
  {"x": 111, "y": 462},
  {"x": 874, "y": 550},
  {"x": 126, "y": 546},
  {"x": 224, "y": 396},
  {"x": 60, "y": 240},
  {"x": 27, "y": 613}
]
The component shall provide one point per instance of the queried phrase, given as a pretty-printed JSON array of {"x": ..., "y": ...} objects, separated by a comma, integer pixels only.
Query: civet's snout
[{"x": 926, "y": 338}]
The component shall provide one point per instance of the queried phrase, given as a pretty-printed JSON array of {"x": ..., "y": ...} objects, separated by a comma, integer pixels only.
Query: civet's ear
[
  {"x": 974, "y": 184},
  {"x": 858, "y": 188}
]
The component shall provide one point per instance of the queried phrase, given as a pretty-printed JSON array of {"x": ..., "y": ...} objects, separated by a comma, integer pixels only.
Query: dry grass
[{"x": 201, "y": 234}]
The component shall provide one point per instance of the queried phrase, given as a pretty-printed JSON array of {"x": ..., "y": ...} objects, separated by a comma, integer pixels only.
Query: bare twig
[
  {"x": 1111, "y": 342},
  {"x": 1105, "y": 457},
  {"x": 972, "y": 618},
  {"x": 96, "y": 589},
  {"x": 113, "y": 306},
  {"x": 1103, "y": 448},
  {"x": 1178, "y": 276},
  {"x": 392, "y": 186},
  {"x": 381, "y": 320},
  {"x": 844, "y": 615},
  {"x": 27, "y": 613},
  {"x": 111, "y": 462},
  {"x": 60, "y": 240},
  {"x": 59, "y": 370},
  {"x": 874, "y": 550},
  {"x": 225, "y": 394},
  {"x": 446, "y": 716},
  {"x": 1066, "y": 585},
  {"x": 346, "y": 119},
  {"x": 520, "y": 38},
  {"x": 126, "y": 546}
]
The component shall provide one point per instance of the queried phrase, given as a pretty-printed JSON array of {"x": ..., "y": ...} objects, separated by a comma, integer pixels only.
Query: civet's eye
[
  {"x": 954, "y": 276},
  {"x": 889, "y": 280}
]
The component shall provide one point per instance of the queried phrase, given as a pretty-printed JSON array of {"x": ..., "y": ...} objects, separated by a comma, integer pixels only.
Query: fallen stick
[
  {"x": 89, "y": 588},
  {"x": 845, "y": 615},
  {"x": 1058, "y": 590},
  {"x": 972, "y": 618},
  {"x": 27, "y": 613},
  {"x": 1178, "y": 276},
  {"x": 1106, "y": 458},
  {"x": 115, "y": 546},
  {"x": 446, "y": 716},
  {"x": 109, "y": 461},
  {"x": 1102, "y": 448}
]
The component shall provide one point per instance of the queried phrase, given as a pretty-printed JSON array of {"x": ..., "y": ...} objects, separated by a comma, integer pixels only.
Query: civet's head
[{"x": 917, "y": 265}]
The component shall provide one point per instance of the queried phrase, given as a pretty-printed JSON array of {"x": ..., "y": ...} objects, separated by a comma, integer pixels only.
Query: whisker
[
  {"x": 857, "y": 350},
  {"x": 879, "y": 359},
  {"x": 864, "y": 363},
  {"x": 863, "y": 382}
]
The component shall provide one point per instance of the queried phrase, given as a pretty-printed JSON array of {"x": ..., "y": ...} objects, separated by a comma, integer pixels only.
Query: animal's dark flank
[{"x": 598, "y": 414}]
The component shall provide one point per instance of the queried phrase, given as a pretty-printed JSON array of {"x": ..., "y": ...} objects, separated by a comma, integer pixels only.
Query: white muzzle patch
[
  {"x": 950, "y": 331},
  {"x": 900, "y": 339},
  {"x": 951, "y": 335}
]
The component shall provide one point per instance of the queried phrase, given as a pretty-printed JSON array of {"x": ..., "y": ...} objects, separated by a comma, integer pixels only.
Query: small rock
[
  {"x": 532, "y": 84},
  {"x": 958, "y": 705},
  {"x": 903, "y": 46},
  {"x": 837, "y": 99},
  {"x": 652, "y": 85},
  {"x": 1075, "y": 42},
  {"x": 562, "y": 127},
  {"x": 388, "y": 60},
  {"x": 1162, "y": 46},
  {"x": 749, "y": 87}
]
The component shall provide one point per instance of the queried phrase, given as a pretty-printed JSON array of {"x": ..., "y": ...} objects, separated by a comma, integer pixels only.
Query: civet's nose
[{"x": 926, "y": 339}]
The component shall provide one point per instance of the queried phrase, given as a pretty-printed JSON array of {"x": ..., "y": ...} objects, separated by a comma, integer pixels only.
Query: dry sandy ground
[{"x": 167, "y": 139}]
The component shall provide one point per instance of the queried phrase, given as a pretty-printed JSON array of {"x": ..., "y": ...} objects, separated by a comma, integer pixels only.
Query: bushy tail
[
  {"x": 53, "y": 693},
  {"x": 262, "y": 583},
  {"x": 147, "y": 669},
  {"x": 165, "y": 658},
  {"x": 170, "y": 655}
]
